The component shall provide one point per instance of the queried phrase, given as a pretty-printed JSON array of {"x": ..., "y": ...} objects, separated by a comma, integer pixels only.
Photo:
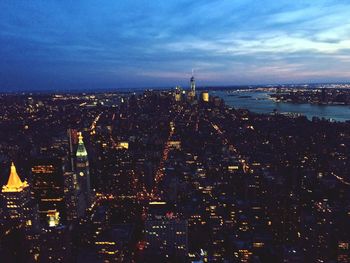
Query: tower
[
  {"x": 17, "y": 200},
  {"x": 178, "y": 94},
  {"x": 83, "y": 174},
  {"x": 192, "y": 92},
  {"x": 73, "y": 139},
  {"x": 205, "y": 96},
  {"x": 193, "y": 84},
  {"x": 21, "y": 220},
  {"x": 71, "y": 195},
  {"x": 48, "y": 186}
]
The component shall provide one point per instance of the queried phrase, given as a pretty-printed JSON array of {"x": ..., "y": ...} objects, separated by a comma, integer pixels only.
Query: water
[{"x": 259, "y": 102}]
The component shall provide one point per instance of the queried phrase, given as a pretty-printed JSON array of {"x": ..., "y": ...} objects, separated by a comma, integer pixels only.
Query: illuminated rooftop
[
  {"x": 14, "y": 183},
  {"x": 81, "y": 151}
]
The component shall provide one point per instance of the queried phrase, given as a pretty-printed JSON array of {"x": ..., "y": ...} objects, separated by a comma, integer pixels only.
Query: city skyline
[
  {"x": 85, "y": 45},
  {"x": 181, "y": 175}
]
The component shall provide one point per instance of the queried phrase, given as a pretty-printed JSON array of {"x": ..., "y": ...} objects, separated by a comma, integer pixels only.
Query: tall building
[
  {"x": 83, "y": 174},
  {"x": 71, "y": 196},
  {"x": 113, "y": 245},
  {"x": 73, "y": 140},
  {"x": 192, "y": 92},
  {"x": 165, "y": 233},
  {"x": 55, "y": 241},
  {"x": 178, "y": 94},
  {"x": 193, "y": 85},
  {"x": 48, "y": 186},
  {"x": 20, "y": 216},
  {"x": 205, "y": 96},
  {"x": 17, "y": 199}
]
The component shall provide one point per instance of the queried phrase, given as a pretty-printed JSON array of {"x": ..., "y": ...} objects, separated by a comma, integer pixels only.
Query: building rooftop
[{"x": 14, "y": 183}]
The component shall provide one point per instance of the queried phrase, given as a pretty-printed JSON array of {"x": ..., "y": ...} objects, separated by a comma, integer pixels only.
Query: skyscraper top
[
  {"x": 193, "y": 85},
  {"x": 192, "y": 76},
  {"x": 14, "y": 183},
  {"x": 81, "y": 151}
]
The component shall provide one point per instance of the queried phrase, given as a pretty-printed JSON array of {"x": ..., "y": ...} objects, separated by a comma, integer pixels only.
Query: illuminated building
[
  {"x": 175, "y": 144},
  {"x": 20, "y": 212},
  {"x": 112, "y": 245},
  {"x": 48, "y": 186},
  {"x": 167, "y": 236},
  {"x": 17, "y": 198},
  {"x": 178, "y": 94},
  {"x": 343, "y": 251},
  {"x": 55, "y": 240},
  {"x": 165, "y": 233},
  {"x": 123, "y": 145},
  {"x": 193, "y": 85},
  {"x": 53, "y": 218},
  {"x": 205, "y": 96},
  {"x": 83, "y": 174},
  {"x": 73, "y": 140},
  {"x": 71, "y": 195},
  {"x": 55, "y": 244},
  {"x": 192, "y": 92}
]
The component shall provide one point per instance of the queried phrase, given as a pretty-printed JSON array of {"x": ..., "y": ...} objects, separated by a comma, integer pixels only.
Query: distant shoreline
[{"x": 199, "y": 88}]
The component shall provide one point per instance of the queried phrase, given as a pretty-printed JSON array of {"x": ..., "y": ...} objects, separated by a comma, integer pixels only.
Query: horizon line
[{"x": 126, "y": 89}]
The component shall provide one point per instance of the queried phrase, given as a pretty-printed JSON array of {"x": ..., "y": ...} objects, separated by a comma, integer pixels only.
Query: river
[{"x": 259, "y": 102}]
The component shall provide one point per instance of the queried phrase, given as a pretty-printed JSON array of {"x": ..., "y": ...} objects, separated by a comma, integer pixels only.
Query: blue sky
[{"x": 102, "y": 44}]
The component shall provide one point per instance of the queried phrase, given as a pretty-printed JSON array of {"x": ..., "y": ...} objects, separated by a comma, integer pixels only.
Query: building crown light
[
  {"x": 14, "y": 183},
  {"x": 81, "y": 151}
]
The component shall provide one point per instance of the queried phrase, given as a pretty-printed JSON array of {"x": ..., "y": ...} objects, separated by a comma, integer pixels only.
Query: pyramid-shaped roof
[
  {"x": 81, "y": 151},
  {"x": 14, "y": 183}
]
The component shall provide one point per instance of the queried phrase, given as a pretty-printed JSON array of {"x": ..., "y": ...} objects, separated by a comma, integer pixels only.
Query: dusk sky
[{"x": 124, "y": 44}]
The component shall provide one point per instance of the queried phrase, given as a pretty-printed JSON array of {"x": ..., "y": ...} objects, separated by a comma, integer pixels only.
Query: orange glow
[
  {"x": 14, "y": 183},
  {"x": 41, "y": 169},
  {"x": 205, "y": 96}
]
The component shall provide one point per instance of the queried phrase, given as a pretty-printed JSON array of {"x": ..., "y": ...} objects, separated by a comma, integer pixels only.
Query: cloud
[{"x": 134, "y": 43}]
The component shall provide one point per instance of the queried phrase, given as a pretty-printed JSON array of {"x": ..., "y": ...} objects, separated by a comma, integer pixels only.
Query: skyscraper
[
  {"x": 71, "y": 195},
  {"x": 192, "y": 92},
  {"x": 205, "y": 96},
  {"x": 16, "y": 194},
  {"x": 178, "y": 93},
  {"x": 48, "y": 186},
  {"x": 72, "y": 139},
  {"x": 55, "y": 242},
  {"x": 20, "y": 217},
  {"x": 193, "y": 85},
  {"x": 83, "y": 174},
  {"x": 166, "y": 234}
]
